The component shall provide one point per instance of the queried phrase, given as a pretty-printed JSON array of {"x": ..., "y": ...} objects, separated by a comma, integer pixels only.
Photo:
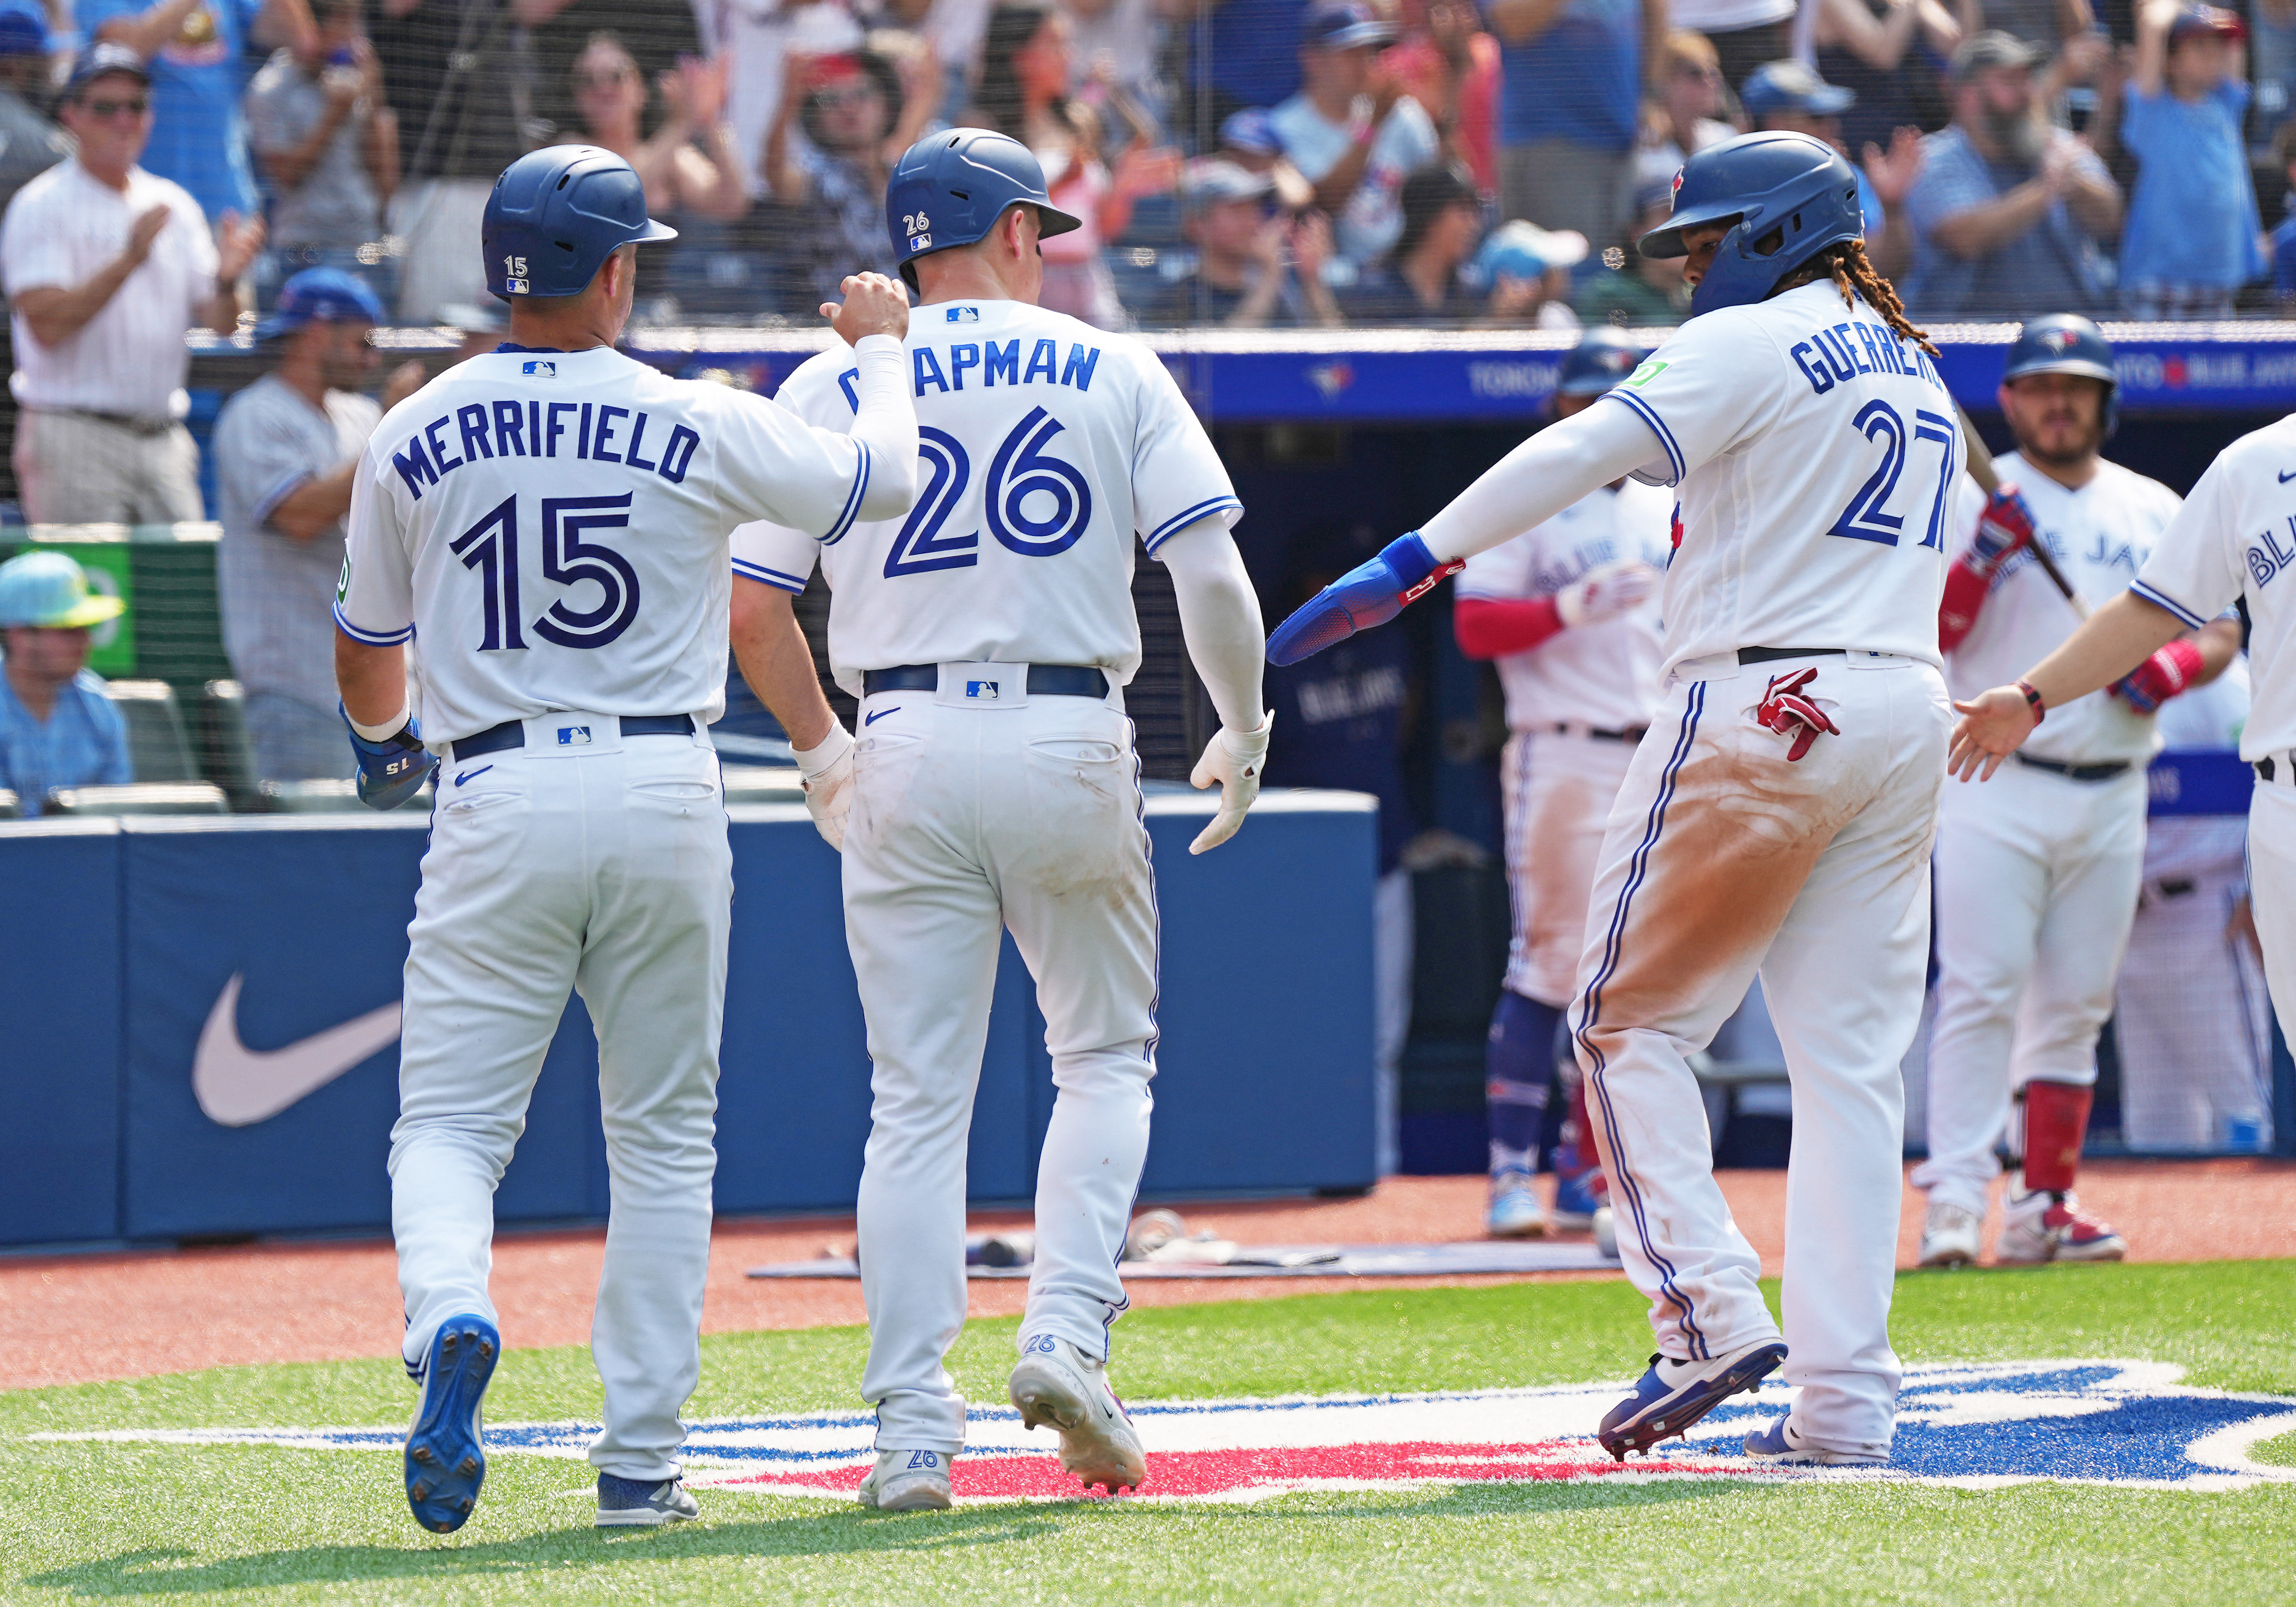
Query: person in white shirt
[
  {"x": 1351, "y": 131},
  {"x": 1569, "y": 611},
  {"x": 2037, "y": 876},
  {"x": 106, "y": 266}
]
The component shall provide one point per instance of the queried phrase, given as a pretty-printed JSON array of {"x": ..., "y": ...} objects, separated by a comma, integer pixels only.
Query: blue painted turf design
[
  {"x": 1591, "y": 1004},
  {"x": 446, "y": 1461}
]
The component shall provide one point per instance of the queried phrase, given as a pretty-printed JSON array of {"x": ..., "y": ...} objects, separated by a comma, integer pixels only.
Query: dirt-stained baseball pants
[{"x": 1723, "y": 859}]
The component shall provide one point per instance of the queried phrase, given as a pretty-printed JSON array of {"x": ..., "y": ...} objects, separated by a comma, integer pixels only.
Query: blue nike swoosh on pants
[{"x": 872, "y": 718}]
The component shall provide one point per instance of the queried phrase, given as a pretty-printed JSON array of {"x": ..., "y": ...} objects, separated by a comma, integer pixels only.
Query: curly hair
[{"x": 1856, "y": 277}]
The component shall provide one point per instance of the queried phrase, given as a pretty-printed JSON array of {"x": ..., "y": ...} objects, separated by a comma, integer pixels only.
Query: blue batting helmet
[
  {"x": 1790, "y": 186},
  {"x": 949, "y": 189},
  {"x": 2066, "y": 343},
  {"x": 556, "y": 215},
  {"x": 1600, "y": 361}
]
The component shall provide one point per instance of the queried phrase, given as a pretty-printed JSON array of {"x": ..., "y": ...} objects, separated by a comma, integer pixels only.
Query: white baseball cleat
[
  {"x": 1515, "y": 1210},
  {"x": 1950, "y": 1234},
  {"x": 908, "y": 1481},
  {"x": 2039, "y": 1226},
  {"x": 1058, "y": 1383}
]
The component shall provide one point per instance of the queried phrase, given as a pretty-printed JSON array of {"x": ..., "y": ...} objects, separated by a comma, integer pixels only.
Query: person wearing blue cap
[
  {"x": 30, "y": 142},
  {"x": 1351, "y": 131},
  {"x": 1789, "y": 96},
  {"x": 57, "y": 728},
  {"x": 285, "y": 450}
]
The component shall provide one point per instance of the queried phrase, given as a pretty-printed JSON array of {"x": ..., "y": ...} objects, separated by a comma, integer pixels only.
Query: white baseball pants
[
  {"x": 2036, "y": 879},
  {"x": 2272, "y": 884},
  {"x": 2190, "y": 1008},
  {"x": 1722, "y": 860},
  {"x": 1556, "y": 790},
  {"x": 603, "y": 868},
  {"x": 968, "y": 820}
]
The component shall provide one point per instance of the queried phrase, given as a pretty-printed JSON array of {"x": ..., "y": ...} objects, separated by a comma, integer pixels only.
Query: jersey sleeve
[
  {"x": 1176, "y": 477},
  {"x": 1499, "y": 574},
  {"x": 775, "y": 554},
  {"x": 1712, "y": 385},
  {"x": 773, "y": 464},
  {"x": 374, "y": 599},
  {"x": 2197, "y": 567},
  {"x": 257, "y": 459}
]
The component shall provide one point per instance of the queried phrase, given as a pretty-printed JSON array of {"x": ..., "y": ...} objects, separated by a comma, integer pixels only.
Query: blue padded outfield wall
[{"x": 120, "y": 938}]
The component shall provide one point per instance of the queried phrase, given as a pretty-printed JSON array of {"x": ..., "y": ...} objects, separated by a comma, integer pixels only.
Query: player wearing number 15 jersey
[
  {"x": 1776, "y": 817},
  {"x": 989, "y": 636},
  {"x": 547, "y": 525}
]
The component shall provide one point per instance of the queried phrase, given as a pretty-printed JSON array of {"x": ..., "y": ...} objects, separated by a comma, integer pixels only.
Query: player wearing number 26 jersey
[
  {"x": 989, "y": 635},
  {"x": 1776, "y": 818},
  {"x": 546, "y": 526}
]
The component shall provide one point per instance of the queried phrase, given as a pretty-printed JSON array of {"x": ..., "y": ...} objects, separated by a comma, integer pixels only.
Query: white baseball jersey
[
  {"x": 2100, "y": 535},
  {"x": 1604, "y": 676},
  {"x": 1815, "y": 453},
  {"x": 1044, "y": 444},
  {"x": 627, "y": 485},
  {"x": 2235, "y": 537}
]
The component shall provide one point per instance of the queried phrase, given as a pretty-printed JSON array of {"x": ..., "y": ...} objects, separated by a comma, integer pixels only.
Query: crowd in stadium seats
[{"x": 1243, "y": 162}]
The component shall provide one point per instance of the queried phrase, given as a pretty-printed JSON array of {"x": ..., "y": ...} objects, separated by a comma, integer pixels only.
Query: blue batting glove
[
  {"x": 393, "y": 770},
  {"x": 1368, "y": 594}
]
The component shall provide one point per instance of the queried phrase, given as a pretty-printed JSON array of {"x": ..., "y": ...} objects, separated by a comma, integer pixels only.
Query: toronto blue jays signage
[{"x": 1977, "y": 1425}]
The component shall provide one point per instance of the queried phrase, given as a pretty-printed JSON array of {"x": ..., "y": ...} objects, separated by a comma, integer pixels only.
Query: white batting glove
[
  {"x": 1233, "y": 760},
  {"x": 826, "y": 774},
  {"x": 1605, "y": 592}
]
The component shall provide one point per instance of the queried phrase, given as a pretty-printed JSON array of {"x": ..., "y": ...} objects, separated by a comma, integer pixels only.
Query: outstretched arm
[
  {"x": 1527, "y": 486},
  {"x": 2118, "y": 637}
]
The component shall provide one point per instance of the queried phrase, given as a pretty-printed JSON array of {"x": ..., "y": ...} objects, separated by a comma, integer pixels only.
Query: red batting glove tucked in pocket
[{"x": 1786, "y": 711}]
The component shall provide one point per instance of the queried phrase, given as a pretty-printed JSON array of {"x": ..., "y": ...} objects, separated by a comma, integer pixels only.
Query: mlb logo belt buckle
[
  {"x": 571, "y": 733},
  {"x": 984, "y": 686},
  {"x": 573, "y": 736}
]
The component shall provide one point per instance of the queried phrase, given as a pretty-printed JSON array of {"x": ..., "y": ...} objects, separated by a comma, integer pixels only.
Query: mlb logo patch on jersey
[
  {"x": 573, "y": 736},
  {"x": 964, "y": 314},
  {"x": 986, "y": 690},
  {"x": 540, "y": 368}
]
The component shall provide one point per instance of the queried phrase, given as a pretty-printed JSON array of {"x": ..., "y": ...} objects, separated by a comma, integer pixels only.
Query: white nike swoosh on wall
[{"x": 237, "y": 1086}]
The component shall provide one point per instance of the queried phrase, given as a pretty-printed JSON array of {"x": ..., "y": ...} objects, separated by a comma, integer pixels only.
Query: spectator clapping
[
  {"x": 327, "y": 142},
  {"x": 1351, "y": 131}
]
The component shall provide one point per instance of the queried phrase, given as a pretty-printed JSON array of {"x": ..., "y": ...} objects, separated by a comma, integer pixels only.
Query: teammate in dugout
[
  {"x": 1777, "y": 817},
  {"x": 994, "y": 785},
  {"x": 2038, "y": 874},
  {"x": 2233, "y": 540},
  {"x": 547, "y": 525},
  {"x": 1569, "y": 611}
]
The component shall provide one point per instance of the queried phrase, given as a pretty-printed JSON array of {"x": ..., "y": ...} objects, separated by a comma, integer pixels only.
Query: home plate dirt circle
[{"x": 1975, "y": 1426}]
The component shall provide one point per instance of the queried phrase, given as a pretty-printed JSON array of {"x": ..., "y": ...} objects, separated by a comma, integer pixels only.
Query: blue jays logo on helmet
[
  {"x": 950, "y": 188},
  {"x": 1786, "y": 197},
  {"x": 2065, "y": 343}
]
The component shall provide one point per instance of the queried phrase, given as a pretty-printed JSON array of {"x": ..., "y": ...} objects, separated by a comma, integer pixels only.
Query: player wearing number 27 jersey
[{"x": 1776, "y": 818}]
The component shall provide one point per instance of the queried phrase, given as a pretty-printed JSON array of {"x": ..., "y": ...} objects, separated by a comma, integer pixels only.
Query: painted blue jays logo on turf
[{"x": 1975, "y": 1425}]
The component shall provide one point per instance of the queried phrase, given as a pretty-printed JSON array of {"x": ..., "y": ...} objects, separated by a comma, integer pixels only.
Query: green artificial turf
[{"x": 257, "y": 1524}]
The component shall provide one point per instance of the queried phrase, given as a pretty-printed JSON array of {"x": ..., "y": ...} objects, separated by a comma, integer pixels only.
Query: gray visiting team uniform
[{"x": 278, "y": 593}]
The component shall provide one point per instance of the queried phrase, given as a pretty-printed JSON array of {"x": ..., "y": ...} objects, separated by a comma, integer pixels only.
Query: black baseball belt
[
  {"x": 1632, "y": 733},
  {"x": 2091, "y": 772},
  {"x": 1044, "y": 680},
  {"x": 512, "y": 733},
  {"x": 1764, "y": 655}
]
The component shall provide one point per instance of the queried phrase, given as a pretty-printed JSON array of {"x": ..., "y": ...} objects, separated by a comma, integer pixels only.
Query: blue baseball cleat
[
  {"x": 1370, "y": 593},
  {"x": 1675, "y": 1394},
  {"x": 1781, "y": 1443},
  {"x": 446, "y": 1458},
  {"x": 1577, "y": 1196}
]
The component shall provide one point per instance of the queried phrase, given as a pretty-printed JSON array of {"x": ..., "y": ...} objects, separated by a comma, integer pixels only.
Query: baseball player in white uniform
[
  {"x": 1568, "y": 610},
  {"x": 2037, "y": 876},
  {"x": 547, "y": 525},
  {"x": 993, "y": 785},
  {"x": 1777, "y": 817},
  {"x": 2232, "y": 540},
  {"x": 2190, "y": 1014}
]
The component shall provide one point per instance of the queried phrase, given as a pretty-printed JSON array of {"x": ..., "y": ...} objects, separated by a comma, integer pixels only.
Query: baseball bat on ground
[{"x": 1988, "y": 481}]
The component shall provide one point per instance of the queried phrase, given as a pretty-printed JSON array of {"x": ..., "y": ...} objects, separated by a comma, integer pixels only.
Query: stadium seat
[
  {"x": 762, "y": 784},
  {"x": 140, "y": 797},
  {"x": 328, "y": 797},
  {"x": 225, "y": 759},
  {"x": 8, "y": 809},
  {"x": 156, "y": 746}
]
